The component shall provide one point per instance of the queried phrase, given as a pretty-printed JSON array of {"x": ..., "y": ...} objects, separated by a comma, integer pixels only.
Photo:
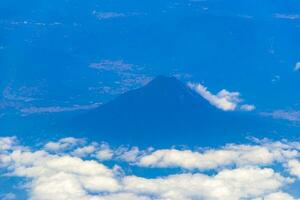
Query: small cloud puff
[
  {"x": 63, "y": 144},
  {"x": 247, "y": 107}
]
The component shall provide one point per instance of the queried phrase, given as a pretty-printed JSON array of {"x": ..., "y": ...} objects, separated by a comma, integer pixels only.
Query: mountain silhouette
[{"x": 166, "y": 107}]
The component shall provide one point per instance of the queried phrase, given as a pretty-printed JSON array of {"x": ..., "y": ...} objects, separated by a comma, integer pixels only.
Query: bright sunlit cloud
[{"x": 224, "y": 100}]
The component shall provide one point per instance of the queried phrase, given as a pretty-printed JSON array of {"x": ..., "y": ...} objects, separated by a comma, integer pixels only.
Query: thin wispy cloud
[
  {"x": 113, "y": 15},
  {"x": 76, "y": 172},
  {"x": 292, "y": 115},
  {"x": 8, "y": 196},
  {"x": 112, "y": 65},
  {"x": 287, "y": 16},
  {"x": 108, "y": 15},
  {"x": 275, "y": 79},
  {"x": 111, "y": 90},
  {"x": 24, "y": 93},
  {"x": 123, "y": 84},
  {"x": 131, "y": 79},
  {"x": 58, "y": 109},
  {"x": 246, "y": 16},
  {"x": 23, "y": 100},
  {"x": 31, "y": 23},
  {"x": 17, "y": 98},
  {"x": 297, "y": 66},
  {"x": 224, "y": 100}
]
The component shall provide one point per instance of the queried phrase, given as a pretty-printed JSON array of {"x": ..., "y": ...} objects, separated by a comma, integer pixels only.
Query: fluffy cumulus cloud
[
  {"x": 224, "y": 100},
  {"x": 104, "y": 152},
  {"x": 75, "y": 171},
  {"x": 7, "y": 143},
  {"x": 294, "y": 167},
  {"x": 225, "y": 185}
]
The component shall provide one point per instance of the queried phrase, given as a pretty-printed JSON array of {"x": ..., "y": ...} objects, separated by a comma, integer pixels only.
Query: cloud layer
[{"x": 73, "y": 169}]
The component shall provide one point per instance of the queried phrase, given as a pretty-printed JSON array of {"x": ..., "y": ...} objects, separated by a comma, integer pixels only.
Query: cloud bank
[{"x": 74, "y": 169}]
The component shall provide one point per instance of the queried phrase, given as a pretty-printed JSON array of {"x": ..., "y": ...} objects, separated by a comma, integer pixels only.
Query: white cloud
[
  {"x": 63, "y": 144},
  {"x": 234, "y": 184},
  {"x": 113, "y": 15},
  {"x": 224, "y": 100},
  {"x": 84, "y": 151},
  {"x": 65, "y": 175},
  {"x": 247, "y": 107},
  {"x": 104, "y": 153},
  {"x": 240, "y": 155},
  {"x": 128, "y": 155},
  {"x": 297, "y": 66},
  {"x": 293, "y": 167},
  {"x": 278, "y": 196},
  {"x": 7, "y": 143},
  {"x": 51, "y": 176}
]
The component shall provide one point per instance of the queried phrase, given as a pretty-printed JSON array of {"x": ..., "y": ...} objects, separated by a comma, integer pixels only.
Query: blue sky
[
  {"x": 60, "y": 58},
  {"x": 226, "y": 45}
]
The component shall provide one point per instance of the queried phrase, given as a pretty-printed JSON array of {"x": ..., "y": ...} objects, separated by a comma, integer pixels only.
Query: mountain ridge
[{"x": 161, "y": 109}]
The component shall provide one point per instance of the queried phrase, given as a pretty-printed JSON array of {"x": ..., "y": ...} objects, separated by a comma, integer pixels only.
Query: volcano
[{"x": 163, "y": 109}]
